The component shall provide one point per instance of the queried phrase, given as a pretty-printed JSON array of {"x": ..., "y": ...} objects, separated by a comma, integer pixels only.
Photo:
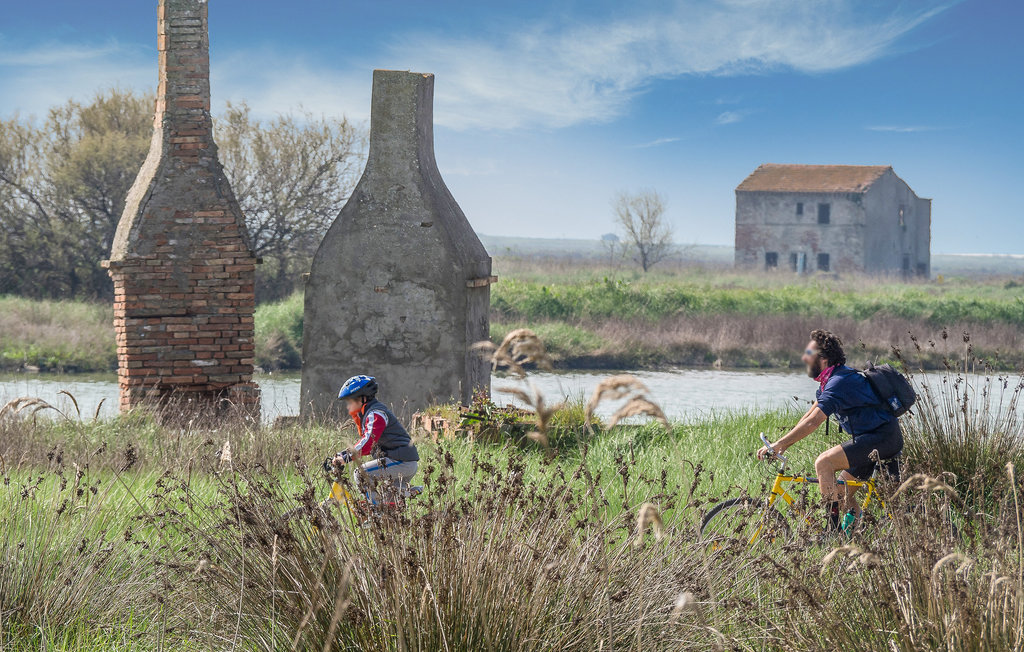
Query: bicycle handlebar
[{"x": 768, "y": 445}]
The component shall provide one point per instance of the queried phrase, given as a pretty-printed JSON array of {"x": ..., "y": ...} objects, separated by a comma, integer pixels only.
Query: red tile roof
[{"x": 773, "y": 177}]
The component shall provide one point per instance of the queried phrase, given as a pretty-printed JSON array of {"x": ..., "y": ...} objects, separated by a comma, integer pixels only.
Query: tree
[
  {"x": 63, "y": 184},
  {"x": 642, "y": 218},
  {"x": 62, "y": 189},
  {"x": 291, "y": 177}
]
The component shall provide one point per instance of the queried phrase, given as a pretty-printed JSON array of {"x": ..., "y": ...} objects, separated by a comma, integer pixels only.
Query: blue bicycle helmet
[{"x": 359, "y": 386}]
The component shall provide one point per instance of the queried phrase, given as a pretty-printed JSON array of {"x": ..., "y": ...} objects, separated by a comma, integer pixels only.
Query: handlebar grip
[{"x": 771, "y": 450}]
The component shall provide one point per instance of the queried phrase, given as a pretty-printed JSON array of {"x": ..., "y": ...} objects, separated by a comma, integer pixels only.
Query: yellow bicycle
[
  {"x": 746, "y": 520},
  {"x": 361, "y": 509}
]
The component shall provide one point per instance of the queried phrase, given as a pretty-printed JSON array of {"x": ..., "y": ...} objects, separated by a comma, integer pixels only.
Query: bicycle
[
  {"x": 746, "y": 519},
  {"x": 361, "y": 510}
]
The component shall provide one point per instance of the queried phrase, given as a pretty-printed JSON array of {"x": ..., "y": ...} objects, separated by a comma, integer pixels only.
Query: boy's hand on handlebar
[{"x": 332, "y": 464}]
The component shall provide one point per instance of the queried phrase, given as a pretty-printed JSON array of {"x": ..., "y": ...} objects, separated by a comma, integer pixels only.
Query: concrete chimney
[
  {"x": 181, "y": 265},
  {"x": 400, "y": 286}
]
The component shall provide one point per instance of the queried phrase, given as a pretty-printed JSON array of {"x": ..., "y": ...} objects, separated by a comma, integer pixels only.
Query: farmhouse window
[
  {"x": 799, "y": 208},
  {"x": 771, "y": 259},
  {"x": 824, "y": 213},
  {"x": 823, "y": 261}
]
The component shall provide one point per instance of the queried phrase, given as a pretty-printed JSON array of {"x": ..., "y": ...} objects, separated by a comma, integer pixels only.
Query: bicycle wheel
[{"x": 741, "y": 523}]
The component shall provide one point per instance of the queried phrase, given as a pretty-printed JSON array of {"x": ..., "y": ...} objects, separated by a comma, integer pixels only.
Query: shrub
[{"x": 967, "y": 425}]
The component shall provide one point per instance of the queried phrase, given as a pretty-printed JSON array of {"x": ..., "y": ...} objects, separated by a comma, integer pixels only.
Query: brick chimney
[{"x": 182, "y": 269}]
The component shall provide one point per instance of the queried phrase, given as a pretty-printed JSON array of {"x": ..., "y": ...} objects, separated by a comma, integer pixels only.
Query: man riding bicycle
[
  {"x": 843, "y": 392},
  {"x": 380, "y": 433}
]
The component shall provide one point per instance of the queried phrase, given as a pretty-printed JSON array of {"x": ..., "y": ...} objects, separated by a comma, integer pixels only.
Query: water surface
[{"x": 682, "y": 393}]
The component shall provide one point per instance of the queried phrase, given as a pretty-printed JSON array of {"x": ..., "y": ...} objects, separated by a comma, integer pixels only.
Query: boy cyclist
[{"x": 381, "y": 435}]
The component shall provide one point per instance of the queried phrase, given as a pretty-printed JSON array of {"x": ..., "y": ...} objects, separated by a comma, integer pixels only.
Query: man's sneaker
[{"x": 849, "y": 523}]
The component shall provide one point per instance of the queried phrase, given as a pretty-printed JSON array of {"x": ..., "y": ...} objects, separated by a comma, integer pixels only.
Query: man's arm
[{"x": 807, "y": 424}]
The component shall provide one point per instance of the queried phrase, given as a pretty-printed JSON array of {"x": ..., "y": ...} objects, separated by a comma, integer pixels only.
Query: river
[{"x": 682, "y": 393}]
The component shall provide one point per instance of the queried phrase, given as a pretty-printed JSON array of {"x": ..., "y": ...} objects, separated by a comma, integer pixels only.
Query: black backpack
[{"x": 893, "y": 389}]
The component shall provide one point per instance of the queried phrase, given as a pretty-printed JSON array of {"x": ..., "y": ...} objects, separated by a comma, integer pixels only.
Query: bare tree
[
  {"x": 642, "y": 217},
  {"x": 291, "y": 176},
  {"x": 63, "y": 183},
  {"x": 62, "y": 189}
]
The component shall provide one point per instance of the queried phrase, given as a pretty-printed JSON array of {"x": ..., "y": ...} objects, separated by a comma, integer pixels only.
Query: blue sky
[{"x": 545, "y": 109}]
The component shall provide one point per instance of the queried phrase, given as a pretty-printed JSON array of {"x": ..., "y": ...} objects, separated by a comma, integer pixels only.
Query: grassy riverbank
[
  {"x": 597, "y": 316},
  {"x": 56, "y": 335},
  {"x": 135, "y": 534}
]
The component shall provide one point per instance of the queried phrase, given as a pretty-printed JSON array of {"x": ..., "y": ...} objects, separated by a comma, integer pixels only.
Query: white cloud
[
  {"x": 47, "y": 74},
  {"x": 536, "y": 75},
  {"x": 541, "y": 76},
  {"x": 730, "y": 117},
  {"x": 273, "y": 83},
  {"x": 657, "y": 142},
  {"x": 901, "y": 129}
]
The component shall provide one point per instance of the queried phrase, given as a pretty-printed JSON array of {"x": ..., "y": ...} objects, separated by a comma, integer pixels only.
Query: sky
[{"x": 545, "y": 109}]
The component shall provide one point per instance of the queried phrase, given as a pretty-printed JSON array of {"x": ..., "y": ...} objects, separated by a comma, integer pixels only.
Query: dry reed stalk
[
  {"x": 952, "y": 558},
  {"x": 639, "y": 407},
  {"x": 624, "y": 386},
  {"x": 686, "y": 603},
  {"x": 614, "y": 388},
  {"x": 521, "y": 346},
  {"x": 927, "y": 484},
  {"x": 18, "y": 405},
  {"x": 649, "y": 516},
  {"x": 855, "y": 553},
  {"x": 544, "y": 412},
  {"x": 224, "y": 455}
]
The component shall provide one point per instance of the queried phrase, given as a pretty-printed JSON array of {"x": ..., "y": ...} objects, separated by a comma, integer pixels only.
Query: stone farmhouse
[{"x": 832, "y": 218}]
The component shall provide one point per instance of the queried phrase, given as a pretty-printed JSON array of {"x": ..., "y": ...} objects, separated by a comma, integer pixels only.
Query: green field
[
  {"x": 593, "y": 315},
  {"x": 140, "y": 533}
]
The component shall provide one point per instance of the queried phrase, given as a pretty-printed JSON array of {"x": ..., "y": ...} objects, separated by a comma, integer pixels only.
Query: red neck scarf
[
  {"x": 357, "y": 417},
  {"x": 825, "y": 374}
]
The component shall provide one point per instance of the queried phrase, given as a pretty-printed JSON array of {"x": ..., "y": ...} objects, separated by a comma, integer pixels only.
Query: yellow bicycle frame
[
  {"x": 341, "y": 496},
  {"x": 779, "y": 491}
]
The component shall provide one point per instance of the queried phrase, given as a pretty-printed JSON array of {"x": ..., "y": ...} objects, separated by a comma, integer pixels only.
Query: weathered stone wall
[
  {"x": 897, "y": 243},
  {"x": 181, "y": 265},
  {"x": 768, "y": 222},
  {"x": 876, "y": 224},
  {"x": 399, "y": 288}
]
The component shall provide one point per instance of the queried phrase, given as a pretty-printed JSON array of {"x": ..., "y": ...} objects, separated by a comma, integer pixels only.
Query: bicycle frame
[
  {"x": 782, "y": 479},
  {"x": 779, "y": 491}
]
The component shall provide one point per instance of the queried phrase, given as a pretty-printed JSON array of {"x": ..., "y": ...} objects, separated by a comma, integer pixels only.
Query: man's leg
[
  {"x": 826, "y": 466},
  {"x": 850, "y": 495}
]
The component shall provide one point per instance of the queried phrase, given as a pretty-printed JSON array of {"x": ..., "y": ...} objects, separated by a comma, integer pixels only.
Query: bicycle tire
[{"x": 741, "y": 522}]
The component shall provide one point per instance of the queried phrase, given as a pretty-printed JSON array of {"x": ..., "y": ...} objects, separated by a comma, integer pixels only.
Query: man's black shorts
[{"x": 888, "y": 441}]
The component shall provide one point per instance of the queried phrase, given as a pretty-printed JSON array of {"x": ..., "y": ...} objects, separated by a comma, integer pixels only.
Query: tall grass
[
  {"x": 968, "y": 424},
  {"x": 279, "y": 334},
  {"x": 79, "y": 568},
  {"x": 598, "y": 316},
  {"x": 148, "y": 528}
]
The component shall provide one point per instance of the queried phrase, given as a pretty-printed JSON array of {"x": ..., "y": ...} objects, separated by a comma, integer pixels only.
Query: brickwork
[{"x": 182, "y": 269}]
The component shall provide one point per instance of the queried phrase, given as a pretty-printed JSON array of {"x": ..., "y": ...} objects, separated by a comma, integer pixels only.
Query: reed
[{"x": 146, "y": 532}]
